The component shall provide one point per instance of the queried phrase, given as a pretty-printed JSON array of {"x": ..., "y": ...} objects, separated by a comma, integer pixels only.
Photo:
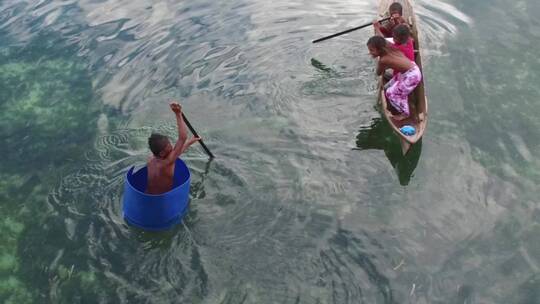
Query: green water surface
[{"x": 309, "y": 199}]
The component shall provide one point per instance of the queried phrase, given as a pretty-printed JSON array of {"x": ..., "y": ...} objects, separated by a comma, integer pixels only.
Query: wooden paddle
[
  {"x": 348, "y": 31},
  {"x": 197, "y": 135}
]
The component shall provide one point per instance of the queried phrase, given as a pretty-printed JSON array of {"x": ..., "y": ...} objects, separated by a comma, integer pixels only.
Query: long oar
[
  {"x": 197, "y": 135},
  {"x": 348, "y": 31}
]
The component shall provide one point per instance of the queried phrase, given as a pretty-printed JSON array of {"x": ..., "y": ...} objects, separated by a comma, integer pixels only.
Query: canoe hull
[{"x": 417, "y": 100}]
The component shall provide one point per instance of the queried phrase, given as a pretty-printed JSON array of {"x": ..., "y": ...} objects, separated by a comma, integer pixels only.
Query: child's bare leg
[{"x": 400, "y": 112}]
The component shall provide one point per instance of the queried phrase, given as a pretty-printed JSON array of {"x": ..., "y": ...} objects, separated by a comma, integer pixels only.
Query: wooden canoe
[{"x": 417, "y": 100}]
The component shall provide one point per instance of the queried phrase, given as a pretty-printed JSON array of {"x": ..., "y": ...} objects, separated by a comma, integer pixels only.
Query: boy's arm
[
  {"x": 189, "y": 143},
  {"x": 385, "y": 32},
  {"x": 182, "y": 134},
  {"x": 377, "y": 27},
  {"x": 381, "y": 67},
  {"x": 402, "y": 20}
]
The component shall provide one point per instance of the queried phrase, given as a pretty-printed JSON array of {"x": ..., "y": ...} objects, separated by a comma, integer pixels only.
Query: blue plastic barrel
[{"x": 156, "y": 212}]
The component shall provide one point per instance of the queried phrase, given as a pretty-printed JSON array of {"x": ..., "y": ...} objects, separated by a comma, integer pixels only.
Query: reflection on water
[
  {"x": 290, "y": 211},
  {"x": 437, "y": 20},
  {"x": 379, "y": 135}
]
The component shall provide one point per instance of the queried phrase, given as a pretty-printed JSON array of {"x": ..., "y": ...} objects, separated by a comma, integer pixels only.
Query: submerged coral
[
  {"x": 46, "y": 119},
  {"x": 45, "y": 112},
  {"x": 12, "y": 290}
]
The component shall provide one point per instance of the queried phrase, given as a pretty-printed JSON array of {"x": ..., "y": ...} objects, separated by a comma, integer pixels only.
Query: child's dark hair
[
  {"x": 402, "y": 32},
  {"x": 396, "y": 7},
  {"x": 157, "y": 143},
  {"x": 381, "y": 45},
  {"x": 377, "y": 42}
]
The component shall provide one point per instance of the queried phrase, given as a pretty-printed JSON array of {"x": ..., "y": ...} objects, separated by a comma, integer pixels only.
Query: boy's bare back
[
  {"x": 160, "y": 176},
  {"x": 395, "y": 61}
]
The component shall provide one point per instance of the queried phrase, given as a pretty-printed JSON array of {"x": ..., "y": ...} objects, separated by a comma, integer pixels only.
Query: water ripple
[{"x": 290, "y": 211}]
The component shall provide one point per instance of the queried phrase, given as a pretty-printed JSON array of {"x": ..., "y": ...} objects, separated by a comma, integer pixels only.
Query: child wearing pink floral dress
[{"x": 404, "y": 82}]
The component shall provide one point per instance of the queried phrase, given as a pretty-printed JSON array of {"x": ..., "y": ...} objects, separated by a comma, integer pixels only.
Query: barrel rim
[{"x": 130, "y": 173}]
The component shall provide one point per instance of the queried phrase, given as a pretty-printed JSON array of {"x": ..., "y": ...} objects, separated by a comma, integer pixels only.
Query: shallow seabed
[{"x": 309, "y": 199}]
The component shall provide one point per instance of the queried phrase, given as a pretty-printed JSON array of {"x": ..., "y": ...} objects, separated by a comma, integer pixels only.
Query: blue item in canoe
[
  {"x": 408, "y": 130},
  {"x": 156, "y": 212}
]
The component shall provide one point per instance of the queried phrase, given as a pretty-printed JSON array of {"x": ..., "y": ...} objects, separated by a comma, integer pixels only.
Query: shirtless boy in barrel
[{"x": 161, "y": 163}]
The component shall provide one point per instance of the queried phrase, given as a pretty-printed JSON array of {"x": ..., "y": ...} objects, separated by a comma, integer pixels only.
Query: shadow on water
[
  {"x": 379, "y": 136},
  {"x": 197, "y": 188},
  {"x": 156, "y": 239},
  {"x": 323, "y": 68}
]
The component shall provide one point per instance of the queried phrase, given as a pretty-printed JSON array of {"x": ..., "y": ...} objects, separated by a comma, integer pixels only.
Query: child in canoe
[
  {"x": 403, "y": 40},
  {"x": 396, "y": 12},
  {"x": 161, "y": 164},
  {"x": 404, "y": 82}
]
